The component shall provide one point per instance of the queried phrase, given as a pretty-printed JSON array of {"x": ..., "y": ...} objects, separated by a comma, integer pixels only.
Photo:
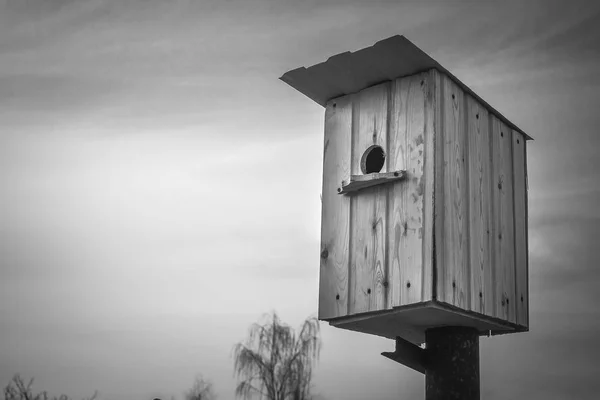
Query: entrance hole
[{"x": 372, "y": 160}]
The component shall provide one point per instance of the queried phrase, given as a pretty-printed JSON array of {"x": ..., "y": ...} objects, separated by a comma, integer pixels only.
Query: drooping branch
[{"x": 277, "y": 363}]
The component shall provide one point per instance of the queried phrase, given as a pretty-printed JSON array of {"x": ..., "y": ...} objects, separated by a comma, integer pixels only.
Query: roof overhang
[{"x": 386, "y": 60}]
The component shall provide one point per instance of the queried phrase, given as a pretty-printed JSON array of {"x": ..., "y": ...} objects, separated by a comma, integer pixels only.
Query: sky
[{"x": 159, "y": 187}]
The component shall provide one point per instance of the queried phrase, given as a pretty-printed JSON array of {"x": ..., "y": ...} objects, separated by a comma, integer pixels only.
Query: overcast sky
[{"x": 159, "y": 187}]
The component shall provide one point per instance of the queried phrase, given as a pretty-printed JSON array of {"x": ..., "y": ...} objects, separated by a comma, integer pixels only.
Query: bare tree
[
  {"x": 275, "y": 363},
  {"x": 202, "y": 389},
  {"x": 17, "y": 389}
]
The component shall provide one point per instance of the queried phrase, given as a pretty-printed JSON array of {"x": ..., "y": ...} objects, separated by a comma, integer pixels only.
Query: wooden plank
[
  {"x": 368, "y": 209},
  {"x": 503, "y": 220},
  {"x": 359, "y": 182},
  {"x": 527, "y": 229},
  {"x": 480, "y": 208},
  {"x": 407, "y": 151},
  {"x": 438, "y": 192},
  {"x": 522, "y": 295},
  {"x": 453, "y": 278},
  {"x": 335, "y": 225},
  {"x": 432, "y": 89}
]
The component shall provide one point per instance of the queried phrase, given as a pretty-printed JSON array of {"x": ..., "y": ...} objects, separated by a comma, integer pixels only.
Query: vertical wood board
[
  {"x": 428, "y": 179},
  {"x": 480, "y": 208},
  {"x": 405, "y": 203},
  {"x": 368, "y": 209},
  {"x": 438, "y": 190},
  {"x": 520, "y": 221},
  {"x": 503, "y": 220},
  {"x": 335, "y": 223},
  {"x": 453, "y": 278}
]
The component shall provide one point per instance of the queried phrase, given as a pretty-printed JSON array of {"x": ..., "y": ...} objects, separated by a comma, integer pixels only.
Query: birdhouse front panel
[
  {"x": 451, "y": 230},
  {"x": 376, "y": 247}
]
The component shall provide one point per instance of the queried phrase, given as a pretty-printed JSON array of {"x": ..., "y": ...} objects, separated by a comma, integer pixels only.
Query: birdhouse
[{"x": 424, "y": 198}]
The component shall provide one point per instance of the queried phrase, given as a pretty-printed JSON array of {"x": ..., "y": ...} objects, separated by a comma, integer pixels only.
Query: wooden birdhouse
[{"x": 424, "y": 201}]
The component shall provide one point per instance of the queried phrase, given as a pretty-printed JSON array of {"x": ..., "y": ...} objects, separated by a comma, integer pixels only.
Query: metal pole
[{"x": 452, "y": 367}]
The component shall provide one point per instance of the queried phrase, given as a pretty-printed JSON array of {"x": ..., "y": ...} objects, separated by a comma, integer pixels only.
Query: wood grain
[
  {"x": 407, "y": 151},
  {"x": 520, "y": 221},
  {"x": 335, "y": 225},
  {"x": 453, "y": 279},
  {"x": 503, "y": 220},
  {"x": 368, "y": 209},
  {"x": 480, "y": 208}
]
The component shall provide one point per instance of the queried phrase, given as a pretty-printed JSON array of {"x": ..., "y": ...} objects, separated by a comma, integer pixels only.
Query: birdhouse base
[{"x": 410, "y": 322}]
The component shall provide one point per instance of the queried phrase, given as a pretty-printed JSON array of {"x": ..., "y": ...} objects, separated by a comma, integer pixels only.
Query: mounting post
[
  {"x": 450, "y": 362},
  {"x": 453, "y": 370}
]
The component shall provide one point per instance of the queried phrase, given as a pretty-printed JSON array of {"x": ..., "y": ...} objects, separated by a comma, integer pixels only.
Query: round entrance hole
[{"x": 372, "y": 160}]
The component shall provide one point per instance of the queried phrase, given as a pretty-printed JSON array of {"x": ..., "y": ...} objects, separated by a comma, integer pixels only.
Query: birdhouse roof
[{"x": 349, "y": 72}]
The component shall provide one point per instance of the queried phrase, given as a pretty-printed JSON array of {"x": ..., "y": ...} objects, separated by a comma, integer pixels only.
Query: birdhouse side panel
[
  {"x": 411, "y": 201},
  {"x": 521, "y": 257},
  {"x": 503, "y": 220},
  {"x": 335, "y": 217},
  {"x": 480, "y": 208},
  {"x": 451, "y": 197},
  {"x": 369, "y": 206}
]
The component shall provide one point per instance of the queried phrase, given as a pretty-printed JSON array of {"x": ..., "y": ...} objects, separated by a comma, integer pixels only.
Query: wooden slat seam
[
  {"x": 387, "y": 284},
  {"x": 435, "y": 161},
  {"x": 526, "y": 229}
]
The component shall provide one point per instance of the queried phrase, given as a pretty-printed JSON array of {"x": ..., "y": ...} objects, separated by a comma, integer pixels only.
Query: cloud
[
  {"x": 38, "y": 94},
  {"x": 36, "y": 7}
]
